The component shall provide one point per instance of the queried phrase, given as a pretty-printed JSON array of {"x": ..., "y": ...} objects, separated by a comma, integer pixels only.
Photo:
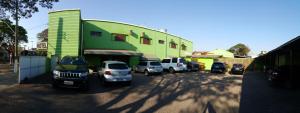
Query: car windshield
[
  {"x": 73, "y": 61},
  {"x": 117, "y": 66},
  {"x": 155, "y": 63}
]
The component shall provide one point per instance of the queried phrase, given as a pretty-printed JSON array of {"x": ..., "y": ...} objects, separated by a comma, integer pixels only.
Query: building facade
[{"x": 100, "y": 40}]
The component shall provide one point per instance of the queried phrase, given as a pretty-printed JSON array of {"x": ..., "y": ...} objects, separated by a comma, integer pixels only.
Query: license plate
[{"x": 68, "y": 82}]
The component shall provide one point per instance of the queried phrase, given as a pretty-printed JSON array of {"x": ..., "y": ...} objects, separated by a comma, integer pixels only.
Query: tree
[
  {"x": 240, "y": 49},
  {"x": 7, "y": 35},
  {"x": 25, "y": 7},
  {"x": 43, "y": 36}
]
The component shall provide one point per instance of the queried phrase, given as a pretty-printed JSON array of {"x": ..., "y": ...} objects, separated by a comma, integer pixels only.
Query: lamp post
[{"x": 31, "y": 45}]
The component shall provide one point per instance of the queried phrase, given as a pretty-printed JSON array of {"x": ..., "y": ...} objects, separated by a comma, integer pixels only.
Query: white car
[
  {"x": 174, "y": 64},
  {"x": 115, "y": 71},
  {"x": 149, "y": 67}
]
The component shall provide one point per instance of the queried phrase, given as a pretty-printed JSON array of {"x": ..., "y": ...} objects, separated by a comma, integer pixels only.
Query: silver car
[
  {"x": 149, "y": 67},
  {"x": 115, "y": 71}
]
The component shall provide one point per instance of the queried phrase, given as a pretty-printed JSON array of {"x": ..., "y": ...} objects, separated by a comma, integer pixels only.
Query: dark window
[
  {"x": 174, "y": 60},
  {"x": 183, "y": 47},
  {"x": 182, "y": 61},
  {"x": 120, "y": 37},
  {"x": 173, "y": 45},
  {"x": 166, "y": 60},
  {"x": 155, "y": 64},
  {"x": 143, "y": 63},
  {"x": 146, "y": 41},
  {"x": 117, "y": 66},
  {"x": 96, "y": 34},
  {"x": 161, "y": 41}
]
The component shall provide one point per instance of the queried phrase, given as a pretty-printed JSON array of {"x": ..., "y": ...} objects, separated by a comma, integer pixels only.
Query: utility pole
[{"x": 16, "y": 58}]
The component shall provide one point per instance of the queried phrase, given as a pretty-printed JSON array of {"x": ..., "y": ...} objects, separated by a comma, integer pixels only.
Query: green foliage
[
  {"x": 25, "y": 7},
  {"x": 240, "y": 49},
  {"x": 7, "y": 35},
  {"x": 43, "y": 36}
]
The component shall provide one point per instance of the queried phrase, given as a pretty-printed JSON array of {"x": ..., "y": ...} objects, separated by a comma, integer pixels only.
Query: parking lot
[{"x": 179, "y": 92}]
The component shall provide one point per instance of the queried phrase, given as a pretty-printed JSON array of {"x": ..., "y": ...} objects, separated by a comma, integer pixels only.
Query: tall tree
[
  {"x": 43, "y": 36},
  {"x": 240, "y": 49},
  {"x": 7, "y": 35},
  {"x": 25, "y": 7}
]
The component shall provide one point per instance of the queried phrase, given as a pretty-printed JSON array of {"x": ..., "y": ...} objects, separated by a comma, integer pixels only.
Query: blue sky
[{"x": 210, "y": 24}]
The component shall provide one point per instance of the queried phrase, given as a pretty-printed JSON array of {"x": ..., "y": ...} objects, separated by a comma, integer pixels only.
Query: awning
[
  {"x": 111, "y": 52},
  {"x": 149, "y": 57}
]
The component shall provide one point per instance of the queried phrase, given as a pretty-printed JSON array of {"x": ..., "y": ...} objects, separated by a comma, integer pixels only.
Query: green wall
[
  {"x": 133, "y": 39},
  {"x": 66, "y": 30},
  {"x": 64, "y": 33},
  {"x": 207, "y": 62}
]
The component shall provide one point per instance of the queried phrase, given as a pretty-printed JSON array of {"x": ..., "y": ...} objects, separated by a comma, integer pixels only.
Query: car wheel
[
  {"x": 146, "y": 72},
  {"x": 128, "y": 83},
  {"x": 55, "y": 86},
  {"x": 85, "y": 87},
  {"x": 189, "y": 70},
  {"x": 171, "y": 70}
]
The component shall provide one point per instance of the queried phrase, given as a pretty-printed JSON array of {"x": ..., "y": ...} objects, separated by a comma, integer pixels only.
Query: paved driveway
[
  {"x": 170, "y": 93},
  {"x": 259, "y": 97}
]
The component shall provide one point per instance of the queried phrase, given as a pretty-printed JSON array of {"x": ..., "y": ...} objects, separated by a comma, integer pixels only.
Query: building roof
[{"x": 285, "y": 44}]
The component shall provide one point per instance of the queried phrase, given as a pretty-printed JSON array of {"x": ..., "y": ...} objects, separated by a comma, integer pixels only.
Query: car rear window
[
  {"x": 117, "y": 66},
  {"x": 237, "y": 65},
  {"x": 218, "y": 65},
  {"x": 155, "y": 63},
  {"x": 182, "y": 61}
]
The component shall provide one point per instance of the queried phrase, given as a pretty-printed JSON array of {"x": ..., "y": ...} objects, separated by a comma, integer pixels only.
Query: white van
[{"x": 174, "y": 64}]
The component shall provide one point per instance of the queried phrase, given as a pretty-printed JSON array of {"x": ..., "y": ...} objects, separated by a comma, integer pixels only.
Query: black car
[
  {"x": 71, "y": 72},
  {"x": 193, "y": 66},
  {"x": 237, "y": 69},
  {"x": 218, "y": 67}
]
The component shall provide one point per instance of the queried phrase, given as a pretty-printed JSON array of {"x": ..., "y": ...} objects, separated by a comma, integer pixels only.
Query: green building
[{"x": 99, "y": 40}]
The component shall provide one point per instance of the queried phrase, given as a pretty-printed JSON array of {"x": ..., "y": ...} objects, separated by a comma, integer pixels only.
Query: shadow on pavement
[
  {"x": 258, "y": 96},
  {"x": 179, "y": 92}
]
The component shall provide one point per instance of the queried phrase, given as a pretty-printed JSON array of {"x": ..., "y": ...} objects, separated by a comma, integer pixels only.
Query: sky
[{"x": 211, "y": 24}]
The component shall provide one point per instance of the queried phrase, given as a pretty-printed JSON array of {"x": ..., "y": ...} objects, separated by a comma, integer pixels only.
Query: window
[
  {"x": 143, "y": 63},
  {"x": 146, "y": 41},
  {"x": 173, "y": 45},
  {"x": 155, "y": 64},
  {"x": 166, "y": 61},
  {"x": 120, "y": 37},
  {"x": 161, "y": 41},
  {"x": 183, "y": 47},
  {"x": 174, "y": 60},
  {"x": 117, "y": 66},
  {"x": 96, "y": 34}
]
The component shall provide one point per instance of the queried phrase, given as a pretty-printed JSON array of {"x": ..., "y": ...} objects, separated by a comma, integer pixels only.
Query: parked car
[
  {"x": 71, "y": 71},
  {"x": 149, "y": 67},
  {"x": 218, "y": 67},
  {"x": 279, "y": 75},
  {"x": 237, "y": 69},
  {"x": 115, "y": 71},
  {"x": 174, "y": 64},
  {"x": 193, "y": 66}
]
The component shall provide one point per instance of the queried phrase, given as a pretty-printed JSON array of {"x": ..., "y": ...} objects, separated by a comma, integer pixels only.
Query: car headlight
[
  {"x": 84, "y": 74},
  {"x": 56, "y": 73}
]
